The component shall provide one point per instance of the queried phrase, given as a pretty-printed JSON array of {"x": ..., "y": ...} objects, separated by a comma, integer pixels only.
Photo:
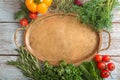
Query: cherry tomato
[
  {"x": 105, "y": 74},
  {"x": 101, "y": 65},
  {"x": 42, "y": 8},
  {"x": 111, "y": 66},
  {"x": 106, "y": 58},
  {"x": 32, "y": 15},
  {"x": 24, "y": 22},
  {"x": 48, "y": 2},
  {"x": 98, "y": 58}
]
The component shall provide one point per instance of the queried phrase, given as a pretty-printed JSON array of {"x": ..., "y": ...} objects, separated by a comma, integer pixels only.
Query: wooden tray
[{"x": 56, "y": 37}]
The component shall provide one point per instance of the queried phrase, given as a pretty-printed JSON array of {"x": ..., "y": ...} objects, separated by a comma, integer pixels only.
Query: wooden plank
[
  {"x": 116, "y": 14},
  {"x": 115, "y": 74},
  {"x": 7, "y": 45},
  {"x": 9, "y": 7},
  {"x": 8, "y": 72},
  {"x": 7, "y": 10},
  {"x": 7, "y": 31},
  {"x": 115, "y": 41}
]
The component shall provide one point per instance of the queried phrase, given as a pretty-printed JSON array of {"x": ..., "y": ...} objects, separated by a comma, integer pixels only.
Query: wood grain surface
[{"x": 8, "y": 26}]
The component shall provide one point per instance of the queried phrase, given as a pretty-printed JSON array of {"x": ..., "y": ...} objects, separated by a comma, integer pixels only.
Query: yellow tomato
[
  {"x": 42, "y": 8},
  {"x": 47, "y": 2},
  {"x": 32, "y": 7}
]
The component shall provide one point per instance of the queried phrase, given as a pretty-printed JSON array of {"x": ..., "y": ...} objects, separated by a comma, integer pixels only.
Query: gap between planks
[
  {"x": 9, "y": 22},
  {"x": 9, "y": 55}
]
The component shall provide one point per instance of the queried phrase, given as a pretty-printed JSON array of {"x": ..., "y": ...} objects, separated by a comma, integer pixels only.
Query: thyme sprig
[{"x": 62, "y": 5}]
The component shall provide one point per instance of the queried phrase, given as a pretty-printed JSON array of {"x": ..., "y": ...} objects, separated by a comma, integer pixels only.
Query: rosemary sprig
[{"x": 28, "y": 64}]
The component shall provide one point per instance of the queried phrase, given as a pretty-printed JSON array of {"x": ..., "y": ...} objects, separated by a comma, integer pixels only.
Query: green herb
[
  {"x": 90, "y": 71},
  {"x": 23, "y": 12},
  {"x": 28, "y": 64},
  {"x": 62, "y": 5},
  {"x": 31, "y": 67},
  {"x": 97, "y": 13},
  {"x": 61, "y": 72}
]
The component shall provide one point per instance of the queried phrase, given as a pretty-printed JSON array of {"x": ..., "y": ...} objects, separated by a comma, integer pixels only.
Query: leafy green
[
  {"x": 90, "y": 71},
  {"x": 20, "y": 14},
  {"x": 97, "y": 13},
  {"x": 23, "y": 12},
  {"x": 31, "y": 67},
  {"x": 61, "y": 72}
]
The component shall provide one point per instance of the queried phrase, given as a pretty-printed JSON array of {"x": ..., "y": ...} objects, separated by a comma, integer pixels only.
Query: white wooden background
[{"x": 8, "y": 26}]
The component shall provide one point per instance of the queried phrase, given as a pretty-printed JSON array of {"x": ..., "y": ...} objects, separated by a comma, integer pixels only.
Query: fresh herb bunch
[
  {"x": 62, "y": 5},
  {"x": 31, "y": 67},
  {"x": 96, "y": 13},
  {"x": 90, "y": 71},
  {"x": 61, "y": 72},
  {"x": 28, "y": 64}
]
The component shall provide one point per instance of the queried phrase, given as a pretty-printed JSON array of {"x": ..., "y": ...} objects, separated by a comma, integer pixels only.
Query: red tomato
[
  {"x": 24, "y": 22},
  {"x": 111, "y": 66},
  {"x": 106, "y": 58},
  {"x": 101, "y": 65},
  {"x": 32, "y": 15},
  {"x": 105, "y": 74},
  {"x": 98, "y": 58}
]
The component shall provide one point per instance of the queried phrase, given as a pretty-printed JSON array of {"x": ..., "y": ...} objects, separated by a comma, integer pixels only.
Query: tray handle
[
  {"x": 109, "y": 42},
  {"x": 15, "y": 36}
]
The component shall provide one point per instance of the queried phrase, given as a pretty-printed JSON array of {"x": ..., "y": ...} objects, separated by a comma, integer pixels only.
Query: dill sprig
[{"x": 97, "y": 13}]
